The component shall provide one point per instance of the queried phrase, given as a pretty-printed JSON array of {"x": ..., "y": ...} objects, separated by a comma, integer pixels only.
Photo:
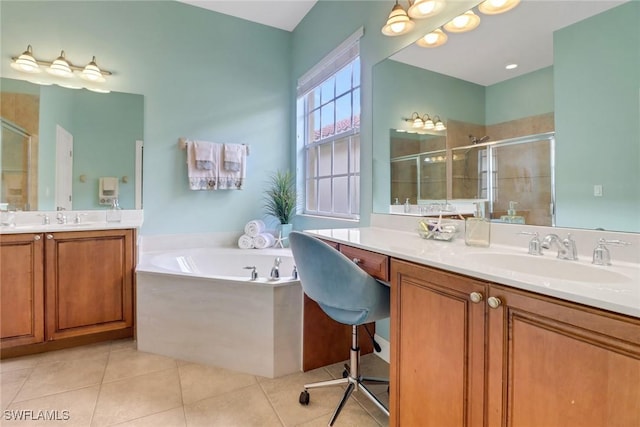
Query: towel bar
[{"x": 182, "y": 144}]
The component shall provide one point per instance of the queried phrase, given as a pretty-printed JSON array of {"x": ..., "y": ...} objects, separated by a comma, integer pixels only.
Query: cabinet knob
[
  {"x": 36, "y": 237},
  {"x": 494, "y": 302},
  {"x": 475, "y": 297},
  {"x": 356, "y": 260},
  {"x": 49, "y": 236}
]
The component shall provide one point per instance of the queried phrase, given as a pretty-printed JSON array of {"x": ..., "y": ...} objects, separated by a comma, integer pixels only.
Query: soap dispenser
[
  {"x": 477, "y": 229},
  {"x": 511, "y": 217},
  {"x": 114, "y": 213}
]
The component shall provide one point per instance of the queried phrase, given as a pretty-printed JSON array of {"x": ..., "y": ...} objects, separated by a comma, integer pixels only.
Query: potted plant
[{"x": 281, "y": 199}]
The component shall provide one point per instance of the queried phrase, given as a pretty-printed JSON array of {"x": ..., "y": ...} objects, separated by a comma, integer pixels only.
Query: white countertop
[
  {"x": 31, "y": 222},
  {"x": 620, "y": 297}
]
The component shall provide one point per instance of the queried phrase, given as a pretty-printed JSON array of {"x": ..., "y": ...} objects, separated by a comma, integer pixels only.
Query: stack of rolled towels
[{"x": 256, "y": 236}]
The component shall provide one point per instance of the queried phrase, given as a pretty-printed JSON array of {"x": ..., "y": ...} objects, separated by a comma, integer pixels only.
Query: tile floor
[{"x": 114, "y": 384}]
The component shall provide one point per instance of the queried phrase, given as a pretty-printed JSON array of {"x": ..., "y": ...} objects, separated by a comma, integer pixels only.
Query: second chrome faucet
[{"x": 566, "y": 247}]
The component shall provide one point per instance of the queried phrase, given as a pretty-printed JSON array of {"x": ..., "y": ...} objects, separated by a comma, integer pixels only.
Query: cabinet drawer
[{"x": 373, "y": 263}]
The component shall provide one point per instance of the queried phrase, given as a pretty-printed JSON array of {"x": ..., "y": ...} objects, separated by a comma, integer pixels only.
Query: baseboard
[{"x": 386, "y": 348}]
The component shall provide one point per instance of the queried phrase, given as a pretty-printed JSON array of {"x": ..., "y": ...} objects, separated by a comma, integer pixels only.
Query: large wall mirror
[
  {"x": 575, "y": 92},
  {"x": 58, "y": 143}
]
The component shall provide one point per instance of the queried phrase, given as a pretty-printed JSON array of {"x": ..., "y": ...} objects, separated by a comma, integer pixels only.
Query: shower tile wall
[
  {"x": 523, "y": 171},
  {"x": 23, "y": 110}
]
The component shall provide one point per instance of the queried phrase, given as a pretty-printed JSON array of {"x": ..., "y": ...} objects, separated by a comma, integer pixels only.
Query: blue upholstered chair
[{"x": 346, "y": 294}]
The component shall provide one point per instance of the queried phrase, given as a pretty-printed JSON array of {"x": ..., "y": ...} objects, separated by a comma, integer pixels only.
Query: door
[
  {"x": 89, "y": 282},
  {"x": 437, "y": 341},
  {"x": 557, "y": 364},
  {"x": 21, "y": 289},
  {"x": 64, "y": 169}
]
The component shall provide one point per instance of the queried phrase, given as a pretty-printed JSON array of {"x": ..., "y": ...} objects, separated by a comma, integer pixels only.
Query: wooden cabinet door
[
  {"x": 437, "y": 348},
  {"x": 89, "y": 282},
  {"x": 21, "y": 289},
  {"x": 558, "y": 364}
]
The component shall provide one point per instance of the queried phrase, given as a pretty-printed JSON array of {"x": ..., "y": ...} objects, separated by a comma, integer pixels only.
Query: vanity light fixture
[
  {"x": 425, "y": 8},
  {"x": 439, "y": 125},
  {"x": 428, "y": 122},
  {"x": 463, "y": 23},
  {"x": 26, "y": 62},
  {"x": 416, "y": 120},
  {"x": 61, "y": 67},
  {"x": 495, "y": 7},
  {"x": 398, "y": 22},
  {"x": 434, "y": 39}
]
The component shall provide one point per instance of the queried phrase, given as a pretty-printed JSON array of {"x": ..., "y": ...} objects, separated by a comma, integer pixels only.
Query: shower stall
[{"x": 17, "y": 173}]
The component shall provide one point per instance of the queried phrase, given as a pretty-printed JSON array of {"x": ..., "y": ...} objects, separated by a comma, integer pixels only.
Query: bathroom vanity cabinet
[
  {"x": 66, "y": 288},
  {"x": 466, "y": 352},
  {"x": 326, "y": 341}
]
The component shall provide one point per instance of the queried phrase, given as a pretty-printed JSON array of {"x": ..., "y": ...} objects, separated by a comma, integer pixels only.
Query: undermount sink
[{"x": 549, "y": 267}]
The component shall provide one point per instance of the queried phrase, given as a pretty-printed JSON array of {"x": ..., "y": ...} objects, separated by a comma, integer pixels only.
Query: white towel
[
  {"x": 245, "y": 242},
  {"x": 232, "y": 157},
  {"x": 202, "y": 179},
  {"x": 233, "y": 180},
  {"x": 264, "y": 240},
  {"x": 255, "y": 227},
  {"x": 204, "y": 153}
]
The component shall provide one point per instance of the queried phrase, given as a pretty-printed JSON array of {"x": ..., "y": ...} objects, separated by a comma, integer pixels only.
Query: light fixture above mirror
[
  {"x": 425, "y": 122},
  {"x": 462, "y": 23},
  {"x": 425, "y": 8},
  {"x": 398, "y": 22},
  {"x": 62, "y": 71},
  {"x": 495, "y": 7}
]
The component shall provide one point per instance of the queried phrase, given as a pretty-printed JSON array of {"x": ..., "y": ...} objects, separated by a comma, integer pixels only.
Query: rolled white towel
[
  {"x": 253, "y": 228},
  {"x": 246, "y": 242},
  {"x": 264, "y": 240}
]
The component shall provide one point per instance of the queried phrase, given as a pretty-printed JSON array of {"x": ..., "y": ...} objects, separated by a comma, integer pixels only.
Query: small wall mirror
[{"x": 57, "y": 143}]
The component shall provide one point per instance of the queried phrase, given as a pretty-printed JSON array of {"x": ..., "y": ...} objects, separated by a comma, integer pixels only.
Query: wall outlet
[{"x": 597, "y": 190}]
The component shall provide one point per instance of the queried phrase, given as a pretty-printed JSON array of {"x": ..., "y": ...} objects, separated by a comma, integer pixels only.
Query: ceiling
[
  {"x": 523, "y": 35},
  {"x": 283, "y": 14}
]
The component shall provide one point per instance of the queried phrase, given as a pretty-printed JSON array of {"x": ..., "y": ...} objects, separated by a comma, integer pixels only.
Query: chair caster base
[{"x": 304, "y": 398}]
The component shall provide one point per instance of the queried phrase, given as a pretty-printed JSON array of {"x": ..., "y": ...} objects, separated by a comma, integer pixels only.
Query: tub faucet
[
  {"x": 566, "y": 248},
  {"x": 254, "y": 273},
  {"x": 275, "y": 271}
]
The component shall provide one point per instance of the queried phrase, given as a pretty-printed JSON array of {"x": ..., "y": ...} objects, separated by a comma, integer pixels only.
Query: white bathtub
[{"x": 201, "y": 305}]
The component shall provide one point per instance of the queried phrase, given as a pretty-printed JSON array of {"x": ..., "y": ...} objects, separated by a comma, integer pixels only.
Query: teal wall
[
  {"x": 203, "y": 75},
  {"x": 524, "y": 96},
  {"x": 597, "y": 116},
  {"x": 401, "y": 89}
]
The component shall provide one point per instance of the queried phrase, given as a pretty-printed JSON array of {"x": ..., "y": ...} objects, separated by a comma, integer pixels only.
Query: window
[{"x": 329, "y": 133}]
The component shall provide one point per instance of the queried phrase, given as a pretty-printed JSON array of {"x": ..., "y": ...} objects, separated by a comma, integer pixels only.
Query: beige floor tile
[
  {"x": 61, "y": 376},
  {"x": 352, "y": 415},
  {"x": 17, "y": 363},
  {"x": 130, "y": 362},
  {"x": 200, "y": 382},
  {"x": 171, "y": 418},
  {"x": 243, "y": 408},
  {"x": 73, "y": 408},
  {"x": 138, "y": 396},
  {"x": 83, "y": 352},
  {"x": 284, "y": 393},
  {"x": 123, "y": 344},
  {"x": 8, "y": 391}
]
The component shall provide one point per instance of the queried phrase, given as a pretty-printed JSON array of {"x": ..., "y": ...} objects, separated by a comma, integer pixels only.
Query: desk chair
[{"x": 346, "y": 294}]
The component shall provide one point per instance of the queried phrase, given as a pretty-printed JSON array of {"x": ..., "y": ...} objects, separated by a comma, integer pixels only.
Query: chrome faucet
[
  {"x": 78, "y": 218},
  {"x": 601, "y": 254},
  {"x": 566, "y": 247},
  {"x": 275, "y": 271},
  {"x": 61, "y": 218},
  {"x": 254, "y": 273}
]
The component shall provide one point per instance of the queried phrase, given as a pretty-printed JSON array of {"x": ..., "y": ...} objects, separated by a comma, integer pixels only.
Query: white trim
[
  {"x": 138, "y": 175},
  {"x": 327, "y": 64},
  {"x": 385, "y": 345}
]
